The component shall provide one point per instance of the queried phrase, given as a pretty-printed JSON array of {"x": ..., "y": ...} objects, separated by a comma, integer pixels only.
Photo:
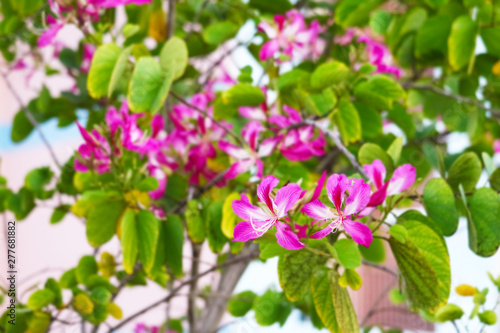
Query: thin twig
[
  {"x": 335, "y": 136},
  {"x": 459, "y": 98},
  {"x": 197, "y": 18},
  {"x": 205, "y": 114},
  {"x": 380, "y": 267},
  {"x": 31, "y": 119}
]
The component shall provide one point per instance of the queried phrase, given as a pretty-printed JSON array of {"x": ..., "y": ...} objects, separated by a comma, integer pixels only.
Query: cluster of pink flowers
[
  {"x": 350, "y": 199},
  {"x": 84, "y": 11},
  {"x": 289, "y": 36}
]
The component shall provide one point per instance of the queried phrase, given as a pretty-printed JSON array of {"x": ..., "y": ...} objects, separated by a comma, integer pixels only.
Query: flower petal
[
  {"x": 245, "y": 210},
  {"x": 317, "y": 210},
  {"x": 402, "y": 179},
  {"x": 319, "y": 187},
  {"x": 238, "y": 168},
  {"x": 376, "y": 172},
  {"x": 359, "y": 196},
  {"x": 232, "y": 150},
  {"x": 359, "y": 232},
  {"x": 244, "y": 231},
  {"x": 267, "y": 146},
  {"x": 286, "y": 197},
  {"x": 323, "y": 232},
  {"x": 336, "y": 186},
  {"x": 287, "y": 238},
  {"x": 264, "y": 190},
  {"x": 269, "y": 49}
]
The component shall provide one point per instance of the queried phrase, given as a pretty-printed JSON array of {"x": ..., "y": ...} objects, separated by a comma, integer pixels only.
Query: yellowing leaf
[
  {"x": 496, "y": 68},
  {"x": 82, "y": 303},
  {"x": 115, "y": 310},
  {"x": 465, "y": 290},
  {"x": 229, "y": 218},
  {"x": 158, "y": 25}
]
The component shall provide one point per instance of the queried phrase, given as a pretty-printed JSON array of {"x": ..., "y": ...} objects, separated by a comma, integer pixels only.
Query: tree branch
[
  {"x": 380, "y": 267},
  {"x": 31, "y": 119},
  {"x": 195, "y": 267}
]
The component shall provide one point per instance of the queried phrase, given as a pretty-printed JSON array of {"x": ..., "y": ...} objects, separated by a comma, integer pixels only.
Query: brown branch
[
  {"x": 459, "y": 98},
  {"x": 195, "y": 267},
  {"x": 173, "y": 293},
  {"x": 31, "y": 119},
  {"x": 334, "y": 135},
  {"x": 380, "y": 267},
  {"x": 170, "y": 18}
]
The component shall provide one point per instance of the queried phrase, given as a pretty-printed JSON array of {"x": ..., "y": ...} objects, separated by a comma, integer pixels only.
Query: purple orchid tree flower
[
  {"x": 289, "y": 36},
  {"x": 299, "y": 143},
  {"x": 94, "y": 153},
  {"x": 403, "y": 177},
  {"x": 349, "y": 197},
  {"x": 380, "y": 56},
  {"x": 272, "y": 211},
  {"x": 251, "y": 156},
  {"x": 54, "y": 26}
]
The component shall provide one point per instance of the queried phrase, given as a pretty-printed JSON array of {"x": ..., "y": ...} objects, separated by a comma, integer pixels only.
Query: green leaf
[
  {"x": 432, "y": 37},
  {"x": 87, "y": 266},
  {"x": 466, "y": 170},
  {"x": 105, "y": 62},
  {"x": 40, "y": 299},
  {"x": 351, "y": 278},
  {"x": 379, "y": 91},
  {"x": 21, "y": 127},
  {"x": 348, "y": 253},
  {"x": 449, "y": 312},
  {"x": 37, "y": 179},
  {"x": 83, "y": 303},
  {"x": 394, "y": 150},
  {"x": 102, "y": 220},
  {"x": 323, "y": 300},
  {"x": 484, "y": 222},
  {"x": 348, "y": 122},
  {"x": 439, "y": 203},
  {"x": 350, "y": 13},
  {"x": 371, "y": 121},
  {"x": 241, "y": 303},
  {"x": 488, "y": 317},
  {"x": 129, "y": 240},
  {"x": 216, "y": 238},
  {"x": 294, "y": 271},
  {"x": 370, "y": 152},
  {"x": 243, "y": 94},
  {"x": 399, "y": 233},
  {"x": 147, "y": 237},
  {"x": 219, "y": 32},
  {"x": 329, "y": 74},
  {"x": 490, "y": 37},
  {"x": 495, "y": 180},
  {"x": 400, "y": 117},
  {"x": 420, "y": 280},
  {"x": 174, "y": 57},
  {"x": 229, "y": 218},
  {"x": 195, "y": 223},
  {"x": 148, "y": 184},
  {"x": 291, "y": 79},
  {"x": 375, "y": 252},
  {"x": 54, "y": 286},
  {"x": 119, "y": 70},
  {"x": 39, "y": 322},
  {"x": 273, "y": 7},
  {"x": 270, "y": 308},
  {"x": 149, "y": 86},
  {"x": 59, "y": 213},
  {"x": 379, "y": 21},
  {"x": 21, "y": 203},
  {"x": 223, "y": 111},
  {"x": 270, "y": 250},
  {"x": 461, "y": 42},
  {"x": 174, "y": 237},
  {"x": 68, "y": 280},
  {"x": 344, "y": 311}
]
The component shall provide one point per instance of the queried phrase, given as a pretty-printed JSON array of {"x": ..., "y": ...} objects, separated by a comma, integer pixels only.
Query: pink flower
[
  {"x": 247, "y": 158},
  {"x": 349, "y": 197},
  {"x": 288, "y": 36},
  {"x": 272, "y": 213},
  {"x": 88, "y": 54},
  {"x": 346, "y": 38},
  {"x": 94, "y": 153},
  {"x": 403, "y": 177},
  {"x": 116, "y": 3},
  {"x": 380, "y": 56},
  {"x": 299, "y": 143},
  {"x": 53, "y": 29},
  {"x": 496, "y": 146}
]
